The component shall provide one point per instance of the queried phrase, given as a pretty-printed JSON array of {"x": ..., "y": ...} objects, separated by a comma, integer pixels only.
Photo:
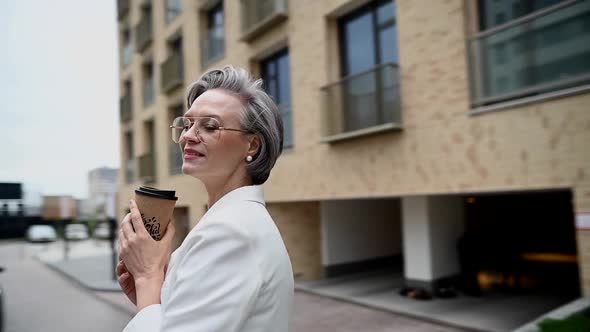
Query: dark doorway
[{"x": 520, "y": 241}]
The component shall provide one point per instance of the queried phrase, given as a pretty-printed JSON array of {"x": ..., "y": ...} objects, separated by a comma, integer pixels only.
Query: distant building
[
  {"x": 57, "y": 208},
  {"x": 102, "y": 191}
]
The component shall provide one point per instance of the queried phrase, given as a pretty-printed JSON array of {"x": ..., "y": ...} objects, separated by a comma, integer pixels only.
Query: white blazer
[{"x": 231, "y": 273}]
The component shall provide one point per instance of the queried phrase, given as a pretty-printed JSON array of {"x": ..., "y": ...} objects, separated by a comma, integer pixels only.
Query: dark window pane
[
  {"x": 215, "y": 16},
  {"x": 277, "y": 82},
  {"x": 385, "y": 12},
  {"x": 271, "y": 88},
  {"x": 359, "y": 44},
  {"x": 284, "y": 80},
  {"x": 388, "y": 45}
]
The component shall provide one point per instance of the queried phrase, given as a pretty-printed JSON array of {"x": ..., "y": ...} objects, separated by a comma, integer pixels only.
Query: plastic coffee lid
[{"x": 157, "y": 193}]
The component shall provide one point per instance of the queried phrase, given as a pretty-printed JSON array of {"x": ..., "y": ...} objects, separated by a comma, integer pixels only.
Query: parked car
[
  {"x": 41, "y": 233},
  {"x": 102, "y": 231},
  {"x": 76, "y": 232}
]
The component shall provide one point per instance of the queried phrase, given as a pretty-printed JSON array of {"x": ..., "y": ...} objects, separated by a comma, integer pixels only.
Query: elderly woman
[{"x": 232, "y": 272}]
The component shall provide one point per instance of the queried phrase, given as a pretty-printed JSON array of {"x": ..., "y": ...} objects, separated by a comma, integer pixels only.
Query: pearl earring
[{"x": 249, "y": 158}]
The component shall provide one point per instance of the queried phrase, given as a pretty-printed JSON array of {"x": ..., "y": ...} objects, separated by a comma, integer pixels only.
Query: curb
[
  {"x": 377, "y": 307},
  {"x": 82, "y": 286},
  {"x": 78, "y": 280}
]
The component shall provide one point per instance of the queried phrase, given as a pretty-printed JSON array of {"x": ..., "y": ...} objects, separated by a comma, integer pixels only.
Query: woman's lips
[{"x": 189, "y": 156}]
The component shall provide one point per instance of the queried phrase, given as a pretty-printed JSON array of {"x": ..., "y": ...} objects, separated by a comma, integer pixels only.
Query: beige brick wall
[{"x": 299, "y": 224}]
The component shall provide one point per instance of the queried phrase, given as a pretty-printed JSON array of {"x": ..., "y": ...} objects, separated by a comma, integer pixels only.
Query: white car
[
  {"x": 76, "y": 232},
  {"x": 41, "y": 233},
  {"x": 102, "y": 231}
]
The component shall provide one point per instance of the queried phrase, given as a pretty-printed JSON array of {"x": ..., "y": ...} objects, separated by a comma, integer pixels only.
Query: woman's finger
[
  {"x": 121, "y": 268},
  {"x": 126, "y": 227},
  {"x": 170, "y": 230},
  {"x": 136, "y": 219}
]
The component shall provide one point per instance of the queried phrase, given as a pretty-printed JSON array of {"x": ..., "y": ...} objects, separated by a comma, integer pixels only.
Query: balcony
[
  {"x": 361, "y": 104},
  {"x": 147, "y": 167},
  {"x": 172, "y": 72},
  {"x": 287, "y": 117},
  {"x": 127, "y": 54},
  {"x": 175, "y": 159},
  {"x": 259, "y": 15},
  {"x": 542, "y": 52},
  {"x": 122, "y": 8},
  {"x": 143, "y": 32},
  {"x": 125, "y": 108},
  {"x": 213, "y": 47},
  {"x": 130, "y": 170},
  {"x": 148, "y": 92}
]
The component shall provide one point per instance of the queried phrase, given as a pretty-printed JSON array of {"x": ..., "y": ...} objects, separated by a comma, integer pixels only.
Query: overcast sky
[{"x": 58, "y": 93}]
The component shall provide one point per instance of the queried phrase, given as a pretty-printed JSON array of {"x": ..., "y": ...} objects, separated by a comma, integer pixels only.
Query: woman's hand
[
  {"x": 126, "y": 282},
  {"x": 144, "y": 258}
]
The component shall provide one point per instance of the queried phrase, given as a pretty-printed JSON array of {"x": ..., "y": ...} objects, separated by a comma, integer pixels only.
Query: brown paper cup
[{"x": 156, "y": 207}]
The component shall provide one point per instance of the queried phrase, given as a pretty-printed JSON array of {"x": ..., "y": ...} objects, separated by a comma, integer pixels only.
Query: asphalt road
[{"x": 37, "y": 298}]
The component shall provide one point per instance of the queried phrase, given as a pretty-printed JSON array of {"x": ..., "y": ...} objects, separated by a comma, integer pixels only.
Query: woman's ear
[{"x": 254, "y": 145}]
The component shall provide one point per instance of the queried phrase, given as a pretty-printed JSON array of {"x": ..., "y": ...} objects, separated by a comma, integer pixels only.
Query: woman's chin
[{"x": 192, "y": 170}]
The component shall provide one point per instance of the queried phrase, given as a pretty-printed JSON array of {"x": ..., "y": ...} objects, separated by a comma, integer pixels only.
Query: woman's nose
[{"x": 191, "y": 135}]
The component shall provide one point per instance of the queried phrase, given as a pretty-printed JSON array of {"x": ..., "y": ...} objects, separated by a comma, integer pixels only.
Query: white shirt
[{"x": 231, "y": 273}]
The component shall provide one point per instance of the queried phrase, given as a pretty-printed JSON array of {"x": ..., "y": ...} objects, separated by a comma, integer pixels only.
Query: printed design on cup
[{"x": 153, "y": 227}]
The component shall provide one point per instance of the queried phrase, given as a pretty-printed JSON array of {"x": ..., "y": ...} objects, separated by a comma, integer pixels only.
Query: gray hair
[{"x": 261, "y": 118}]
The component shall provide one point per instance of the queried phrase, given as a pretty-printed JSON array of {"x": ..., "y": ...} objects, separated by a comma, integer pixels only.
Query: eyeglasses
[{"x": 207, "y": 129}]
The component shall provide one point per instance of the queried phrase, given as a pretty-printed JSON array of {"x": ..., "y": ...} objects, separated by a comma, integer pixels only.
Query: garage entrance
[{"x": 520, "y": 241}]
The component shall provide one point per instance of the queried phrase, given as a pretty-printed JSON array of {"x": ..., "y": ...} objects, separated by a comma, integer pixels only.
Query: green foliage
[{"x": 574, "y": 323}]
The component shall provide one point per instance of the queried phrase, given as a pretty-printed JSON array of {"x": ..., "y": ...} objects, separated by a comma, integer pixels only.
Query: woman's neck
[{"x": 218, "y": 189}]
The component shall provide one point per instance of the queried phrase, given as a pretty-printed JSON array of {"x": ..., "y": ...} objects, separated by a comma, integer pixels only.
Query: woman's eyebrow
[{"x": 186, "y": 115}]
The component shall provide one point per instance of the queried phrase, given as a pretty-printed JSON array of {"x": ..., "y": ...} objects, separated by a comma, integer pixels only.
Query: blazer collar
[{"x": 246, "y": 193}]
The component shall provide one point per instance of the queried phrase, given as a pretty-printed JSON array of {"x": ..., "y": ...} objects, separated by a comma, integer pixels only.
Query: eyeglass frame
[{"x": 204, "y": 117}]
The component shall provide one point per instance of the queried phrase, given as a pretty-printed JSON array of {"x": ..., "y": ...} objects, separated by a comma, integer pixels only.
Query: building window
[
  {"x": 127, "y": 55},
  {"x": 367, "y": 95},
  {"x": 258, "y": 16},
  {"x": 214, "y": 41},
  {"x": 143, "y": 30},
  {"x": 277, "y": 82},
  {"x": 524, "y": 48},
  {"x": 148, "y": 84},
  {"x": 175, "y": 153},
  {"x": 173, "y": 9},
  {"x": 147, "y": 161},
  {"x": 173, "y": 67},
  {"x": 130, "y": 160},
  {"x": 125, "y": 103}
]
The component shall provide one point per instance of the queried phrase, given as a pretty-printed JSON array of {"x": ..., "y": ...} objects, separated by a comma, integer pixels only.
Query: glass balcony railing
[
  {"x": 130, "y": 170},
  {"x": 148, "y": 92},
  {"x": 143, "y": 32},
  {"x": 287, "y": 117},
  {"x": 213, "y": 46},
  {"x": 175, "y": 159},
  {"x": 545, "y": 51},
  {"x": 147, "y": 167},
  {"x": 173, "y": 9},
  {"x": 172, "y": 72},
  {"x": 125, "y": 108},
  {"x": 122, "y": 8},
  {"x": 362, "y": 102},
  {"x": 127, "y": 54},
  {"x": 259, "y": 15}
]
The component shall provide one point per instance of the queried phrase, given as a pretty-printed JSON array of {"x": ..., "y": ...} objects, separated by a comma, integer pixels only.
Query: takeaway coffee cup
[{"x": 156, "y": 207}]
